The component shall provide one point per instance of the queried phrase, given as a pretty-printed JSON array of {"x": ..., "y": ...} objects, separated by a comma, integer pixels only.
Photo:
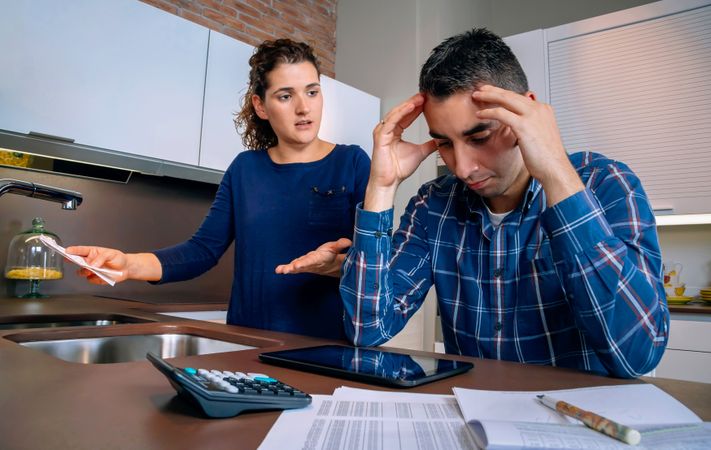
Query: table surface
[{"x": 50, "y": 403}]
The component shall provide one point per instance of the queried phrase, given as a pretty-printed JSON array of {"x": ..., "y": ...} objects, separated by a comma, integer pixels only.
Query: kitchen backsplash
[{"x": 145, "y": 214}]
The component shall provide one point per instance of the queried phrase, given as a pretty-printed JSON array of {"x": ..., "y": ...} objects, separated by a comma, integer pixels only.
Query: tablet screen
[{"x": 368, "y": 365}]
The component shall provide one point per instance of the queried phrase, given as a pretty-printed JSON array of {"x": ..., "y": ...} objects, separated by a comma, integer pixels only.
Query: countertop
[
  {"x": 694, "y": 307},
  {"x": 51, "y": 403}
]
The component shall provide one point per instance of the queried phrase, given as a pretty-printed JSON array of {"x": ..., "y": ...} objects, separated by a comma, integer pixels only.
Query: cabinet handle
[{"x": 50, "y": 136}]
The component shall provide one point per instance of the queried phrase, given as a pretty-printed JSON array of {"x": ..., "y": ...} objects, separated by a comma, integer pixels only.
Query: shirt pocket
[{"x": 329, "y": 207}]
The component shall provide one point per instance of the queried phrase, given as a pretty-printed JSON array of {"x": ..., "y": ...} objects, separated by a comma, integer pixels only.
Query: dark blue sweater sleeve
[{"x": 203, "y": 250}]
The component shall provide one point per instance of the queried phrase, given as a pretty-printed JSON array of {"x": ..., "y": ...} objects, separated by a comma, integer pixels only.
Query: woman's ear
[{"x": 259, "y": 107}]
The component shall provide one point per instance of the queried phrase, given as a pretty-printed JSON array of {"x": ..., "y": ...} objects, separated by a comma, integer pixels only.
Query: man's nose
[{"x": 466, "y": 162}]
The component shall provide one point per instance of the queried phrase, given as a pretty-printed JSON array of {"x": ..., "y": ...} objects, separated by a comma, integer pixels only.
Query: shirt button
[
  {"x": 498, "y": 326},
  {"x": 378, "y": 234},
  {"x": 498, "y": 272}
]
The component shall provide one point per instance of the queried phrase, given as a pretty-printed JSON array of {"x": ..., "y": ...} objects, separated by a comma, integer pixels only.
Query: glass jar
[{"x": 29, "y": 259}]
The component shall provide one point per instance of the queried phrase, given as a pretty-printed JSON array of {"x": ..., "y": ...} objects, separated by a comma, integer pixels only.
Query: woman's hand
[
  {"x": 132, "y": 266},
  {"x": 107, "y": 258},
  {"x": 325, "y": 260}
]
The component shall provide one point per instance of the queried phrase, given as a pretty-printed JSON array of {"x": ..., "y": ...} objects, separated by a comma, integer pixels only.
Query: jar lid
[{"x": 38, "y": 228}]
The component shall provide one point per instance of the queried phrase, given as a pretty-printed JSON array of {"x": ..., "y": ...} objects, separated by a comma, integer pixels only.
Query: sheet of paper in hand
[{"x": 104, "y": 274}]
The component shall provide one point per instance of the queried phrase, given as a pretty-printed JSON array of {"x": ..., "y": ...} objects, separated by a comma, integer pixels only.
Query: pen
[{"x": 591, "y": 420}]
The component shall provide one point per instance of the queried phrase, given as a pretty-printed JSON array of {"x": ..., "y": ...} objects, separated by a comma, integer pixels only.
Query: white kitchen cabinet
[
  {"x": 119, "y": 75},
  {"x": 530, "y": 50},
  {"x": 225, "y": 85},
  {"x": 349, "y": 115},
  {"x": 688, "y": 353},
  {"x": 609, "y": 78},
  {"x": 634, "y": 86}
]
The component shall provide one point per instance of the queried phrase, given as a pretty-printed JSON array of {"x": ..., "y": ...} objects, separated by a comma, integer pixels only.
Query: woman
[{"x": 291, "y": 193}]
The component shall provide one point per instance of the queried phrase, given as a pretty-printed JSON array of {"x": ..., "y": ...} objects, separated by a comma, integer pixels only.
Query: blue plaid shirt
[{"x": 574, "y": 285}]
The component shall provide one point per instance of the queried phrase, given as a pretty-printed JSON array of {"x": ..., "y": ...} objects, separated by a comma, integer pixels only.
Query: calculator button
[
  {"x": 203, "y": 372},
  {"x": 253, "y": 375},
  {"x": 265, "y": 379},
  {"x": 190, "y": 371},
  {"x": 240, "y": 375},
  {"x": 231, "y": 389}
]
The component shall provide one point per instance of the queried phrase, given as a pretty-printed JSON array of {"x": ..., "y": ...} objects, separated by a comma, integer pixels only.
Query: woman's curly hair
[{"x": 258, "y": 133}]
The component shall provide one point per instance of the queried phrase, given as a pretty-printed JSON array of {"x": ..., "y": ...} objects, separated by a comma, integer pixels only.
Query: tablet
[{"x": 367, "y": 365}]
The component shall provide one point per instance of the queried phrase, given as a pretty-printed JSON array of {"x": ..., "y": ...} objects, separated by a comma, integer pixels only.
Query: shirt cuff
[
  {"x": 575, "y": 225},
  {"x": 372, "y": 229}
]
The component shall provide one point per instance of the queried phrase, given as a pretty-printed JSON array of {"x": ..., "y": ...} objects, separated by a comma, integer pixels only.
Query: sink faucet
[{"x": 69, "y": 199}]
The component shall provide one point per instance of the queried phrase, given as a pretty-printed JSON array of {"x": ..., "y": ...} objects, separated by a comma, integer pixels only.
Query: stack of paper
[
  {"x": 473, "y": 419},
  {"x": 104, "y": 274},
  {"x": 364, "y": 419}
]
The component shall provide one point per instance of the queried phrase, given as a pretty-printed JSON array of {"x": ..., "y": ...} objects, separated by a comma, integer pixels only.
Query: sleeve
[
  {"x": 607, "y": 255},
  {"x": 203, "y": 250},
  {"x": 385, "y": 279}
]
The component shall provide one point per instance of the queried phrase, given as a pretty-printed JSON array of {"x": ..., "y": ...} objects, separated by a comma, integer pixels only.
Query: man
[{"x": 536, "y": 256}]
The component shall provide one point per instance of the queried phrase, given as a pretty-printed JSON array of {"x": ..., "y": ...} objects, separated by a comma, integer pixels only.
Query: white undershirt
[{"x": 496, "y": 218}]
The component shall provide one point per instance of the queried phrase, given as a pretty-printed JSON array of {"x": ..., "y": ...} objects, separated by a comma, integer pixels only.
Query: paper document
[
  {"x": 104, "y": 274},
  {"x": 363, "y": 419},
  {"x": 473, "y": 419},
  {"x": 516, "y": 420}
]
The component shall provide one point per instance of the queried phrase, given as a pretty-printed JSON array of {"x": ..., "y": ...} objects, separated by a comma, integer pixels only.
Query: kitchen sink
[
  {"x": 117, "y": 349},
  {"x": 75, "y": 320}
]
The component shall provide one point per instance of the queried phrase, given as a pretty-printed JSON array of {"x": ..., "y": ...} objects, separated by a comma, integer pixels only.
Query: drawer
[{"x": 685, "y": 365}]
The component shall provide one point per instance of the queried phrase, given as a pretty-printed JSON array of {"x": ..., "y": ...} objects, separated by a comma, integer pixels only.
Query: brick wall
[{"x": 253, "y": 21}]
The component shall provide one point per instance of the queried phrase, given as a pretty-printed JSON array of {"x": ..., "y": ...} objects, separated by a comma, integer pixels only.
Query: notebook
[{"x": 505, "y": 419}]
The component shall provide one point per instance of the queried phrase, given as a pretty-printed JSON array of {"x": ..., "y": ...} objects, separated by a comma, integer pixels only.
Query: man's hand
[
  {"x": 325, "y": 260},
  {"x": 538, "y": 136},
  {"x": 394, "y": 159}
]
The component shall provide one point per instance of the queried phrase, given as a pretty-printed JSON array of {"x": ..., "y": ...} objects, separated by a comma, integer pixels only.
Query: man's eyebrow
[{"x": 478, "y": 128}]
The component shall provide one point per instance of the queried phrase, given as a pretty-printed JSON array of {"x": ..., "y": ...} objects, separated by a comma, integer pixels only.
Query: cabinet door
[
  {"x": 349, "y": 114},
  {"x": 120, "y": 75},
  {"x": 226, "y": 83},
  {"x": 634, "y": 85},
  {"x": 530, "y": 50}
]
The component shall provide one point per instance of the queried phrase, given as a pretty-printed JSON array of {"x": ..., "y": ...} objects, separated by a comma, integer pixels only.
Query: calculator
[{"x": 220, "y": 393}]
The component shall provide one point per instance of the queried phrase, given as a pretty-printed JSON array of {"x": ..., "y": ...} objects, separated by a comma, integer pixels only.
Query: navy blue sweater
[{"x": 274, "y": 213}]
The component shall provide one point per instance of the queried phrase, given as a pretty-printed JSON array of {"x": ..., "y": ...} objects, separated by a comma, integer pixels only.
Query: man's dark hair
[{"x": 468, "y": 60}]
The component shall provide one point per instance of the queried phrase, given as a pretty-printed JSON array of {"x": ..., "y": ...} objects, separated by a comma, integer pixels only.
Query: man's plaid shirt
[{"x": 574, "y": 285}]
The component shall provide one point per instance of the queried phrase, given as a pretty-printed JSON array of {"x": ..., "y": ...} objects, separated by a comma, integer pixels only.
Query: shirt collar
[{"x": 476, "y": 205}]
